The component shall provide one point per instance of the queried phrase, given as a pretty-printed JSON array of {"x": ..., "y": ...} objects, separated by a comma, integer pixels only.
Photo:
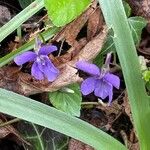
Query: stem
[
  {"x": 9, "y": 122},
  {"x": 42, "y": 37},
  {"x": 90, "y": 103},
  {"x": 19, "y": 33},
  {"x": 59, "y": 53}
]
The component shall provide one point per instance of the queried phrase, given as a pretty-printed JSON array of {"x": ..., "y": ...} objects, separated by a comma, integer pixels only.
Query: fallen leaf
[
  {"x": 5, "y": 15},
  {"x": 144, "y": 47},
  {"x": 95, "y": 23},
  {"x": 127, "y": 107},
  {"x": 71, "y": 31},
  {"x": 92, "y": 48},
  {"x": 141, "y": 8},
  {"x": 77, "y": 145},
  {"x": 10, "y": 130},
  {"x": 132, "y": 142}
]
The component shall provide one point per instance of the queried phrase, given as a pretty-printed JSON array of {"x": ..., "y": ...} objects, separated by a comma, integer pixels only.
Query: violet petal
[
  {"x": 52, "y": 68},
  {"x": 88, "y": 86},
  {"x": 51, "y": 75},
  {"x": 25, "y": 57},
  {"x": 47, "y": 49},
  {"x": 88, "y": 68},
  {"x": 48, "y": 69},
  {"x": 45, "y": 62},
  {"x": 112, "y": 79},
  {"x": 36, "y": 72},
  {"x": 102, "y": 89}
]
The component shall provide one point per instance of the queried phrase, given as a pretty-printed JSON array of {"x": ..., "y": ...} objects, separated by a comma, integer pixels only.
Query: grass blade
[
  {"x": 23, "y": 16},
  {"x": 116, "y": 19},
  {"x": 41, "y": 114}
]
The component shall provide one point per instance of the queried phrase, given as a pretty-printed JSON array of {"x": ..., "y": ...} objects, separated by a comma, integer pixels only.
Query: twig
[{"x": 9, "y": 122}]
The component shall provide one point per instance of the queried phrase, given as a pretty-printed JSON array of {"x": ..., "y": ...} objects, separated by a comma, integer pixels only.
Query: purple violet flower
[
  {"x": 42, "y": 66},
  {"x": 100, "y": 82}
]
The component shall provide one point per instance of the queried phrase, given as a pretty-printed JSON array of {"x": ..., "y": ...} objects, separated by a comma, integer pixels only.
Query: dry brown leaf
[
  {"x": 77, "y": 145},
  {"x": 5, "y": 15},
  {"x": 144, "y": 47},
  {"x": 95, "y": 23},
  {"x": 141, "y": 8},
  {"x": 71, "y": 31},
  {"x": 115, "y": 108},
  {"x": 92, "y": 48},
  {"x": 9, "y": 77},
  {"x": 127, "y": 107},
  {"x": 10, "y": 130},
  {"x": 133, "y": 144}
]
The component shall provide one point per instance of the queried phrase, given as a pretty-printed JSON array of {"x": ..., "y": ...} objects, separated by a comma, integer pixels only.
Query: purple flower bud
[
  {"x": 108, "y": 59},
  {"x": 100, "y": 82},
  {"x": 42, "y": 66}
]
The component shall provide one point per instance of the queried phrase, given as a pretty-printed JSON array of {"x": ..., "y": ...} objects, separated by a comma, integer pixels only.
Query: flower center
[
  {"x": 41, "y": 59},
  {"x": 104, "y": 71}
]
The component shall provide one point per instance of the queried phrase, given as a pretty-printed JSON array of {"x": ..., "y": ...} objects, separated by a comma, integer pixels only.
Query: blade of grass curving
[
  {"x": 115, "y": 17},
  {"x": 28, "y": 46},
  {"x": 23, "y": 16},
  {"x": 44, "y": 115}
]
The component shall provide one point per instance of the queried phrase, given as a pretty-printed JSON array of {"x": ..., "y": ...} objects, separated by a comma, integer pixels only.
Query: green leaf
[
  {"x": 25, "y": 3},
  {"x": 69, "y": 102},
  {"x": 136, "y": 25},
  {"x": 23, "y": 16},
  {"x": 127, "y": 8},
  {"x": 147, "y": 84},
  {"x": 49, "y": 117},
  {"x": 62, "y": 12},
  {"x": 42, "y": 138},
  {"x": 99, "y": 60},
  {"x": 108, "y": 46},
  {"x": 146, "y": 75}
]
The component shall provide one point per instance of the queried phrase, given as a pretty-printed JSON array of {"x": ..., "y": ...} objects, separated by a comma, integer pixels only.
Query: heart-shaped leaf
[
  {"x": 42, "y": 138},
  {"x": 62, "y": 12},
  {"x": 136, "y": 25},
  {"x": 127, "y": 8},
  {"x": 67, "y": 100}
]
